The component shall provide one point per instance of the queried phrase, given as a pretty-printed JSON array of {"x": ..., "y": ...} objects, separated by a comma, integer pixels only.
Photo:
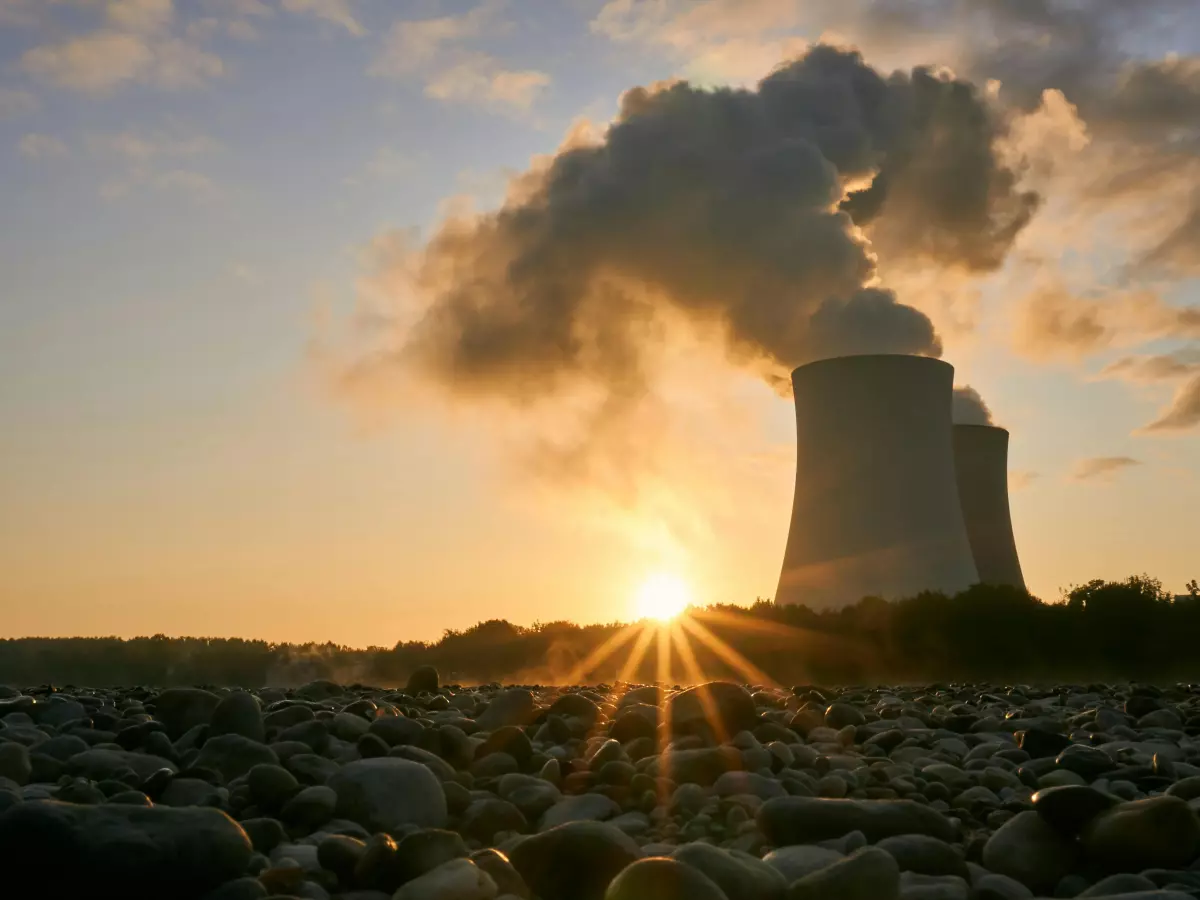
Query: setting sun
[{"x": 662, "y": 596}]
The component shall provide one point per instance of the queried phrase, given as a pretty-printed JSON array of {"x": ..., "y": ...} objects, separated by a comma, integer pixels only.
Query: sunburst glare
[{"x": 662, "y": 596}]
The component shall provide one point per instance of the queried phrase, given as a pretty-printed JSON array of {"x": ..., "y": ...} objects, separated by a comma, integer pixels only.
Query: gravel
[{"x": 602, "y": 792}]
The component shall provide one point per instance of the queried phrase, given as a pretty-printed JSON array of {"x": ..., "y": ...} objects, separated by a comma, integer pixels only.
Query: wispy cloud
[
  {"x": 738, "y": 40},
  {"x": 143, "y": 146},
  {"x": 1101, "y": 467},
  {"x": 1020, "y": 480},
  {"x": 1157, "y": 367},
  {"x": 481, "y": 79},
  {"x": 336, "y": 11},
  {"x": 42, "y": 147},
  {"x": 135, "y": 42},
  {"x": 1183, "y": 413},
  {"x": 160, "y": 160},
  {"x": 439, "y": 53}
]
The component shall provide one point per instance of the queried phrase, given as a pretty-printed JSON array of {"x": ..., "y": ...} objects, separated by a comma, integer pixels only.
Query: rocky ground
[{"x": 450, "y": 793}]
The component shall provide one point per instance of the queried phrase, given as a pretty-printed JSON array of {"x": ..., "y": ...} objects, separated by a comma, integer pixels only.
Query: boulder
[
  {"x": 800, "y": 820},
  {"x": 116, "y": 850},
  {"x": 1158, "y": 832},
  {"x": 575, "y": 861},
  {"x": 387, "y": 793},
  {"x": 662, "y": 878},
  {"x": 1028, "y": 849},
  {"x": 716, "y": 709}
]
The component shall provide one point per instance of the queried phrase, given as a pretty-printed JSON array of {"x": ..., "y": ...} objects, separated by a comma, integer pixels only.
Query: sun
[{"x": 662, "y": 596}]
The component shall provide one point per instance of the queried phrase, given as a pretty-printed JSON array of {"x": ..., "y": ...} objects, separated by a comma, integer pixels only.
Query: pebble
[{"x": 329, "y": 792}]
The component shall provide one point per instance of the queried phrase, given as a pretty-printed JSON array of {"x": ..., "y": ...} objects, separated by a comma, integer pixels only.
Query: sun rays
[{"x": 673, "y": 632}]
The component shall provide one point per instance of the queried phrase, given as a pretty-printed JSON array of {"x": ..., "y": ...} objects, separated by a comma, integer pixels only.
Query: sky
[{"x": 264, "y": 373}]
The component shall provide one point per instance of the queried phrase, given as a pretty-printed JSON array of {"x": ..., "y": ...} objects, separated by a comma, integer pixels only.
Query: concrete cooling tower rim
[{"x": 858, "y": 358}]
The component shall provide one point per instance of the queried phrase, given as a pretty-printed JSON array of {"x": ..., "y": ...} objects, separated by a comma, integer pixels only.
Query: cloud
[
  {"x": 139, "y": 146},
  {"x": 481, "y": 79},
  {"x": 155, "y": 159},
  {"x": 1052, "y": 321},
  {"x": 1183, "y": 413},
  {"x": 1159, "y": 367},
  {"x": 140, "y": 15},
  {"x": 134, "y": 45},
  {"x": 1019, "y": 480},
  {"x": 412, "y": 45},
  {"x": 95, "y": 63},
  {"x": 336, "y": 11},
  {"x": 969, "y": 408},
  {"x": 720, "y": 219},
  {"x": 1101, "y": 467},
  {"x": 14, "y": 102},
  {"x": 42, "y": 147},
  {"x": 437, "y": 52},
  {"x": 196, "y": 186},
  {"x": 738, "y": 40}
]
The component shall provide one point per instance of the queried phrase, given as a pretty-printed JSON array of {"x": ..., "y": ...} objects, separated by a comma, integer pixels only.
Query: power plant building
[
  {"x": 877, "y": 510},
  {"x": 981, "y": 467}
]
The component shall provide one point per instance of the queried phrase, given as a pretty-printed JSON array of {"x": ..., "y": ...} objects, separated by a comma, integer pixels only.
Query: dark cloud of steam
[
  {"x": 1101, "y": 467},
  {"x": 745, "y": 211},
  {"x": 969, "y": 408},
  {"x": 1094, "y": 53}
]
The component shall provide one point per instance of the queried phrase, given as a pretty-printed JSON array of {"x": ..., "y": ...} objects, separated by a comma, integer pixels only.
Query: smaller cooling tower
[
  {"x": 876, "y": 508},
  {"x": 981, "y": 464}
]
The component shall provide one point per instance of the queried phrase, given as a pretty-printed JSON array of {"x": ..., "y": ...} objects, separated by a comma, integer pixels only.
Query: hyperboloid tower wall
[
  {"x": 981, "y": 462},
  {"x": 876, "y": 510}
]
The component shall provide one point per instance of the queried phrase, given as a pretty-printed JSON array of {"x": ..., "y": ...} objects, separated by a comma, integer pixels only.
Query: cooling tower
[
  {"x": 876, "y": 508},
  {"x": 981, "y": 463}
]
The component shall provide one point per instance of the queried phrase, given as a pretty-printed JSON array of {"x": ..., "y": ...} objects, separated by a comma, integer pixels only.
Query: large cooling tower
[
  {"x": 981, "y": 461},
  {"x": 876, "y": 509}
]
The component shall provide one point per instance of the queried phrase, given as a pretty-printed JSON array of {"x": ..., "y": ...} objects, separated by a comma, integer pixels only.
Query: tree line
[{"x": 1100, "y": 630}]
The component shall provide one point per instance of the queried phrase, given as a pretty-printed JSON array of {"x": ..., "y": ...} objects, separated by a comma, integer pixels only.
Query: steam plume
[
  {"x": 969, "y": 408},
  {"x": 747, "y": 213}
]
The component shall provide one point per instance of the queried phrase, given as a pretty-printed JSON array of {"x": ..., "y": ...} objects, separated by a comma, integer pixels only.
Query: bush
[{"x": 1099, "y": 630}]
